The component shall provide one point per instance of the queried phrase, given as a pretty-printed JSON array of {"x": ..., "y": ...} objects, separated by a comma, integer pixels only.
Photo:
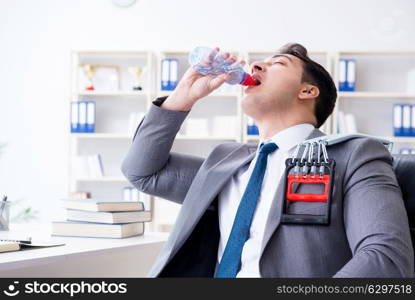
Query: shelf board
[
  {"x": 112, "y": 53},
  {"x": 161, "y": 93},
  {"x": 251, "y": 137},
  {"x": 225, "y": 95},
  {"x": 115, "y": 93},
  {"x": 215, "y": 95},
  {"x": 102, "y": 136},
  {"x": 128, "y": 136},
  {"x": 103, "y": 179},
  {"x": 394, "y": 139},
  {"x": 377, "y": 52},
  {"x": 375, "y": 95},
  {"x": 400, "y": 139},
  {"x": 271, "y": 52},
  {"x": 175, "y": 52},
  {"x": 206, "y": 137}
]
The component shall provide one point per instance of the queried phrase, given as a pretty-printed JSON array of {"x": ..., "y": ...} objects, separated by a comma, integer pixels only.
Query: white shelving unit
[
  {"x": 113, "y": 107},
  {"x": 380, "y": 83},
  {"x": 103, "y": 179}
]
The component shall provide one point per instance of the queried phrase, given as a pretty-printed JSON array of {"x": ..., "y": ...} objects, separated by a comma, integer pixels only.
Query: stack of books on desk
[{"x": 102, "y": 218}]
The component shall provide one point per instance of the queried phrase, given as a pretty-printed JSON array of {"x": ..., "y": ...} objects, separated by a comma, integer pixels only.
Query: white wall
[{"x": 36, "y": 38}]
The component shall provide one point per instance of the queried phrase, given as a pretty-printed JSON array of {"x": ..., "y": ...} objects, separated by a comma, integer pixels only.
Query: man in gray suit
[{"x": 230, "y": 220}]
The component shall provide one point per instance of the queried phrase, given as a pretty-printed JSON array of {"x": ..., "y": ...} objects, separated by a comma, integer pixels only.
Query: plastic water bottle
[{"x": 208, "y": 61}]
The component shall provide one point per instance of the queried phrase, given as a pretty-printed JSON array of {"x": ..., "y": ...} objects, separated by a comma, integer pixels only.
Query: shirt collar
[{"x": 290, "y": 137}]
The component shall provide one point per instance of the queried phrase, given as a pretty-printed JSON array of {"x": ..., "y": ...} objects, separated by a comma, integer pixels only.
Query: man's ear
[{"x": 308, "y": 91}]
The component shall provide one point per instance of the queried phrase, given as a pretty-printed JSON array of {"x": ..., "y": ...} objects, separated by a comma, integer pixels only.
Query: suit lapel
[
  {"x": 275, "y": 212},
  {"x": 212, "y": 183}
]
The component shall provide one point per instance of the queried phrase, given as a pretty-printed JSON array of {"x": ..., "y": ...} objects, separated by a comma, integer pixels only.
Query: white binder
[
  {"x": 90, "y": 117},
  {"x": 342, "y": 75},
  {"x": 165, "y": 69},
  {"x": 82, "y": 116},
  {"x": 406, "y": 119},
  {"x": 397, "y": 119},
  {"x": 174, "y": 73},
  {"x": 74, "y": 116},
  {"x": 351, "y": 75}
]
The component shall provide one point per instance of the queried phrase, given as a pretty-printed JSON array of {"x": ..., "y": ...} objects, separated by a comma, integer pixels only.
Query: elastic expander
[{"x": 310, "y": 169}]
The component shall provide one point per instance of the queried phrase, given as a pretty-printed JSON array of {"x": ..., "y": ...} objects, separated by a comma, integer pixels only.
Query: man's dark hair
[{"x": 315, "y": 74}]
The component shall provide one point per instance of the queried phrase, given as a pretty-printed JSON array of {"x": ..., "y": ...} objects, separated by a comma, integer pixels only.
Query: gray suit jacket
[{"x": 368, "y": 235}]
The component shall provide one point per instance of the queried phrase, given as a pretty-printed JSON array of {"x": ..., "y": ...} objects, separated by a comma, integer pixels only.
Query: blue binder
[
  {"x": 412, "y": 120},
  {"x": 165, "y": 75},
  {"x": 82, "y": 116},
  {"x": 252, "y": 128},
  {"x": 255, "y": 130},
  {"x": 169, "y": 74},
  {"x": 342, "y": 75},
  {"x": 397, "y": 120},
  {"x": 74, "y": 117},
  {"x": 406, "y": 120},
  {"x": 90, "y": 116},
  {"x": 173, "y": 73},
  {"x": 351, "y": 75}
]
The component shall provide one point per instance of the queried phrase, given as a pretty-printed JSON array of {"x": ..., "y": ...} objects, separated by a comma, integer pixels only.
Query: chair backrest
[{"x": 404, "y": 167}]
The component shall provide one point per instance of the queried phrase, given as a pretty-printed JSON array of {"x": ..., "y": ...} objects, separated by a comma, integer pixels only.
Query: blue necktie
[{"x": 231, "y": 260}]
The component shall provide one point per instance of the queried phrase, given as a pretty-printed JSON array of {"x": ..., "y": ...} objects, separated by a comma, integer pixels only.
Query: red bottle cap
[{"x": 248, "y": 80}]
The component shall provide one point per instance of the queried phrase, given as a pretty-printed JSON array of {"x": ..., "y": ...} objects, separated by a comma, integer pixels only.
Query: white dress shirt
[{"x": 231, "y": 194}]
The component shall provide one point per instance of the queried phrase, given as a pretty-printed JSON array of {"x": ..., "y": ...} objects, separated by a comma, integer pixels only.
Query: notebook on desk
[{"x": 7, "y": 245}]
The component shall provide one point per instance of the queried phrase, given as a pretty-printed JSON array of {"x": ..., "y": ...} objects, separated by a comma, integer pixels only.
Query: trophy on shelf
[
  {"x": 137, "y": 73},
  {"x": 89, "y": 71}
]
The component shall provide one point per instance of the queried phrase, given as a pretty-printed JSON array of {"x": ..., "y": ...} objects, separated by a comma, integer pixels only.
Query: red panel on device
[{"x": 308, "y": 180}]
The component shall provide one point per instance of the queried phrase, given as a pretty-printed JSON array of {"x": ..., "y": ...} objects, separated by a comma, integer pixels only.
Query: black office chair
[{"x": 404, "y": 167}]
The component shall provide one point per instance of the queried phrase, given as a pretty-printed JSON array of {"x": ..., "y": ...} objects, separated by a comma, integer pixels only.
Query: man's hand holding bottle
[{"x": 194, "y": 85}]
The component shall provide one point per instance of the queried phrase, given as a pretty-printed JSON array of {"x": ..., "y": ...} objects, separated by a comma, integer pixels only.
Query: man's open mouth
[{"x": 257, "y": 79}]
